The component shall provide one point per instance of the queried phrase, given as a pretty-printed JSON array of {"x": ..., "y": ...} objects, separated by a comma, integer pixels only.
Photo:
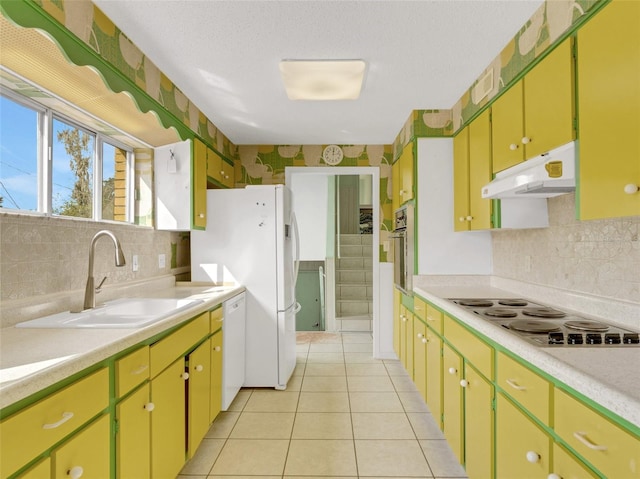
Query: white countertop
[
  {"x": 608, "y": 376},
  {"x": 34, "y": 359}
]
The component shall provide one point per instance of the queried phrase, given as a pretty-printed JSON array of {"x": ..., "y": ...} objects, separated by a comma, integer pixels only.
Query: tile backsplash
[
  {"x": 599, "y": 257},
  {"x": 43, "y": 255}
]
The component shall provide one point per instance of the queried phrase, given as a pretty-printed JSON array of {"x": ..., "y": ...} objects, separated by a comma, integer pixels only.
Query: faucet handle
[{"x": 100, "y": 285}]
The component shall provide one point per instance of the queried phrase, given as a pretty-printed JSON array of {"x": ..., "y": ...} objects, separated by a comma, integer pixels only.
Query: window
[{"x": 89, "y": 175}]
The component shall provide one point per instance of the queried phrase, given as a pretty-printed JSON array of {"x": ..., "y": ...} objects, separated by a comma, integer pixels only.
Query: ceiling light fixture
[{"x": 322, "y": 79}]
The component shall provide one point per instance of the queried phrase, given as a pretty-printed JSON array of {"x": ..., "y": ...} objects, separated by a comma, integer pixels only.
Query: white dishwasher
[{"x": 233, "y": 347}]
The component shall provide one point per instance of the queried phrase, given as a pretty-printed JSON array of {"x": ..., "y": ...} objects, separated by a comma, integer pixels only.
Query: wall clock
[{"x": 332, "y": 155}]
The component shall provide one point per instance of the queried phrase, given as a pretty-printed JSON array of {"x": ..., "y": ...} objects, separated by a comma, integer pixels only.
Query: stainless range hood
[{"x": 550, "y": 174}]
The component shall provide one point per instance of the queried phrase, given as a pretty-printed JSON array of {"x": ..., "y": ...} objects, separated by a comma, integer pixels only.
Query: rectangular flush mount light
[{"x": 322, "y": 79}]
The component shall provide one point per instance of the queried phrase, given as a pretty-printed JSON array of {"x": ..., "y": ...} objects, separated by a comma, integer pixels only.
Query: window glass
[
  {"x": 18, "y": 156},
  {"x": 114, "y": 183},
  {"x": 72, "y": 170}
]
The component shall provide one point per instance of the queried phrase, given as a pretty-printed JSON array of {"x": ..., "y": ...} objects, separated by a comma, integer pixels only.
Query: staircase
[{"x": 354, "y": 283}]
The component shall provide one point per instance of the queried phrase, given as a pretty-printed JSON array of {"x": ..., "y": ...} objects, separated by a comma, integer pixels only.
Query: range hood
[{"x": 550, "y": 174}]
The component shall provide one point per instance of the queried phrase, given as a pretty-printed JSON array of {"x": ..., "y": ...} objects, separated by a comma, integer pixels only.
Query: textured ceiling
[{"x": 224, "y": 56}]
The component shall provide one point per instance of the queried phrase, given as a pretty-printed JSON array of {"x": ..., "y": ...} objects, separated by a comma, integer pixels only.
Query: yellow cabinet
[
  {"x": 609, "y": 448},
  {"x": 199, "y": 185},
  {"x": 43, "y": 424},
  {"x": 42, "y": 470},
  {"x": 397, "y": 298},
  {"x": 133, "y": 438},
  {"x": 406, "y": 339},
  {"x": 523, "y": 450},
  {"x": 434, "y": 375},
  {"x": 406, "y": 174},
  {"x": 608, "y": 71},
  {"x": 471, "y": 171},
  {"x": 475, "y": 350},
  {"x": 168, "y": 425},
  {"x": 87, "y": 452},
  {"x": 420, "y": 356},
  {"x": 214, "y": 165},
  {"x": 567, "y": 466},
  {"x": 434, "y": 318},
  {"x": 199, "y": 395},
  {"x": 396, "y": 185},
  {"x": 452, "y": 400},
  {"x": 215, "y": 394},
  {"x": 522, "y": 126},
  {"x": 132, "y": 370},
  {"x": 478, "y": 424},
  {"x": 228, "y": 174}
]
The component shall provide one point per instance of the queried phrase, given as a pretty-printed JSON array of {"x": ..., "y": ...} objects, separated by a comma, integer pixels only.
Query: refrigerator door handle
[{"x": 296, "y": 263}]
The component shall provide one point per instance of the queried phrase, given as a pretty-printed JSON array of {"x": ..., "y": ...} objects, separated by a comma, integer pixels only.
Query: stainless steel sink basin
[{"x": 120, "y": 313}]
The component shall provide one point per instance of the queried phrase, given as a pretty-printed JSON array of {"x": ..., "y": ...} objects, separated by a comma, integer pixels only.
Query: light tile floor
[{"x": 343, "y": 415}]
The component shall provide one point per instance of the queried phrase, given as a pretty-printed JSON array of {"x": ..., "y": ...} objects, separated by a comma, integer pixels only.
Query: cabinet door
[
  {"x": 228, "y": 179},
  {"x": 199, "y": 185},
  {"x": 409, "y": 342},
  {"x": 404, "y": 318},
  {"x": 88, "y": 450},
  {"x": 133, "y": 440},
  {"x": 479, "y": 171},
  {"x": 452, "y": 400},
  {"x": 461, "y": 181},
  {"x": 199, "y": 395},
  {"x": 567, "y": 466},
  {"x": 419, "y": 356},
  {"x": 214, "y": 165},
  {"x": 523, "y": 450},
  {"x": 406, "y": 173},
  {"x": 478, "y": 425},
  {"x": 397, "y": 185},
  {"x": 434, "y": 375},
  {"x": 168, "y": 422},
  {"x": 507, "y": 127},
  {"x": 548, "y": 102},
  {"x": 608, "y": 71},
  {"x": 216, "y": 376},
  {"x": 42, "y": 470},
  {"x": 396, "y": 323}
]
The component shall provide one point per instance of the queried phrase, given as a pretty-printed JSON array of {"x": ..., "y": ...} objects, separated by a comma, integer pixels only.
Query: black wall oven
[{"x": 403, "y": 248}]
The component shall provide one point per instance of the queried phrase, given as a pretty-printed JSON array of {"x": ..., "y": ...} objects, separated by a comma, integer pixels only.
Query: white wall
[
  {"x": 310, "y": 203},
  {"x": 440, "y": 249}
]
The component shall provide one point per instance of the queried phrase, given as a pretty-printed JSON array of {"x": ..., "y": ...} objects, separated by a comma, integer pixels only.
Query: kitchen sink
[{"x": 119, "y": 313}]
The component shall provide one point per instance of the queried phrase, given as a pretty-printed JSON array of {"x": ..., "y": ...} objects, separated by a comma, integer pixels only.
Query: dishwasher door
[{"x": 233, "y": 348}]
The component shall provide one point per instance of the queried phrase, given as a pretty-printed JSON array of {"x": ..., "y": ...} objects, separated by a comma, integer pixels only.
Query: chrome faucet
[{"x": 90, "y": 290}]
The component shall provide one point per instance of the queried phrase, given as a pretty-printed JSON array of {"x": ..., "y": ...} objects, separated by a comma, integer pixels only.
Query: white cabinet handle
[
  {"x": 513, "y": 147},
  {"x": 420, "y": 335},
  {"x": 185, "y": 376},
  {"x": 149, "y": 406},
  {"x": 140, "y": 370},
  {"x": 630, "y": 189},
  {"x": 461, "y": 219},
  {"x": 464, "y": 383},
  {"x": 65, "y": 417},
  {"x": 75, "y": 472},
  {"x": 533, "y": 457},
  {"x": 201, "y": 215},
  {"x": 452, "y": 370},
  {"x": 404, "y": 318},
  {"x": 526, "y": 140},
  {"x": 217, "y": 348},
  {"x": 582, "y": 437},
  {"x": 402, "y": 192},
  {"x": 199, "y": 368},
  {"x": 425, "y": 340},
  {"x": 515, "y": 385},
  {"x": 553, "y": 475},
  {"x": 469, "y": 218}
]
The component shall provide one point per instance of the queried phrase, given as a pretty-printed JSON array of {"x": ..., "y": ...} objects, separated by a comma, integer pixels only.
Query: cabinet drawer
[
  {"x": 40, "y": 426},
  {"x": 609, "y": 448},
  {"x": 215, "y": 320},
  {"x": 132, "y": 370},
  {"x": 419, "y": 308},
  {"x": 167, "y": 350},
  {"x": 434, "y": 319},
  {"x": 89, "y": 450},
  {"x": 525, "y": 386},
  {"x": 476, "y": 351}
]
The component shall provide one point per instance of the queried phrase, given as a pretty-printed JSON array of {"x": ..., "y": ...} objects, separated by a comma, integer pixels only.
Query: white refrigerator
[{"x": 251, "y": 239}]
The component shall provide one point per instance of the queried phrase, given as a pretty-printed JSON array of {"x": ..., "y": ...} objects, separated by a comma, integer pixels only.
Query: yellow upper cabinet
[
  {"x": 537, "y": 113},
  {"x": 406, "y": 173},
  {"x": 214, "y": 165},
  {"x": 199, "y": 185},
  {"x": 608, "y": 82},
  {"x": 461, "y": 180}
]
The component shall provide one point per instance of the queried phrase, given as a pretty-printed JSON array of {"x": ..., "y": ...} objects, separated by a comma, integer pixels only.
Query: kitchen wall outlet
[
  {"x": 162, "y": 261},
  {"x": 134, "y": 262}
]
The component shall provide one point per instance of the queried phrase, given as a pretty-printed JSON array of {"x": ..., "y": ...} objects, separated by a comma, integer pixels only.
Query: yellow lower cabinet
[
  {"x": 434, "y": 375},
  {"x": 133, "y": 439},
  {"x": 86, "y": 454},
  {"x": 215, "y": 382},
  {"x": 404, "y": 327},
  {"x": 42, "y": 470},
  {"x": 607, "y": 447},
  {"x": 168, "y": 422},
  {"x": 419, "y": 356},
  {"x": 478, "y": 425},
  {"x": 396, "y": 322},
  {"x": 199, "y": 389},
  {"x": 523, "y": 450},
  {"x": 452, "y": 400},
  {"x": 566, "y": 466}
]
